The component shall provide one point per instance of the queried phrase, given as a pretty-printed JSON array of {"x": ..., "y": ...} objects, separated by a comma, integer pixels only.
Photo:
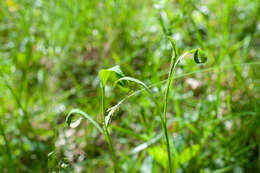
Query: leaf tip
[
  {"x": 172, "y": 41},
  {"x": 200, "y": 56}
]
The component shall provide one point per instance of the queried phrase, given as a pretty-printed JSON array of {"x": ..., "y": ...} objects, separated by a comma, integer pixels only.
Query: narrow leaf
[
  {"x": 132, "y": 80},
  {"x": 174, "y": 46},
  {"x": 113, "y": 109},
  {"x": 77, "y": 111}
]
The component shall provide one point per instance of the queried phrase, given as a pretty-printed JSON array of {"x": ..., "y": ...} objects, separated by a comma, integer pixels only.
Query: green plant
[
  {"x": 50, "y": 54},
  {"x": 199, "y": 57},
  {"x": 104, "y": 75}
]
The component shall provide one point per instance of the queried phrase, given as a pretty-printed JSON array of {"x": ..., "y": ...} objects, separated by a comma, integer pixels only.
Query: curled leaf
[
  {"x": 200, "y": 56},
  {"x": 105, "y": 73},
  {"x": 113, "y": 109},
  {"x": 77, "y": 111},
  {"x": 132, "y": 80}
]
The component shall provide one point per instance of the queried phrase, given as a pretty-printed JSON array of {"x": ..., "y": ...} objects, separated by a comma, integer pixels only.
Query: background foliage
[{"x": 50, "y": 55}]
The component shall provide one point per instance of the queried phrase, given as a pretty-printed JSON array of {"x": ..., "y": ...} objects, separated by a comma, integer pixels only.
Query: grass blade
[{"x": 127, "y": 78}]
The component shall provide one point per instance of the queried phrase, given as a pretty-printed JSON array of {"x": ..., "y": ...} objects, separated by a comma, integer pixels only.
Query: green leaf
[
  {"x": 200, "y": 56},
  {"x": 77, "y": 111},
  {"x": 113, "y": 109},
  {"x": 159, "y": 154},
  {"x": 104, "y": 74},
  {"x": 132, "y": 80},
  {"x": 188, "y": 153}
]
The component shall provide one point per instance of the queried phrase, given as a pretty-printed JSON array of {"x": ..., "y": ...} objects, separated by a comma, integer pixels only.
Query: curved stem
[
  {"x": 107, "y": 135},
  {"x": 165, "y": 130},
  {"x": 164, "y": 120},
  {"x": 174, "y": 61}
]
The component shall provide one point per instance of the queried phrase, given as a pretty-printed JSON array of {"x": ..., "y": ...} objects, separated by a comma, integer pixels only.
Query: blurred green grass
[{"x": 50, "y": 55}]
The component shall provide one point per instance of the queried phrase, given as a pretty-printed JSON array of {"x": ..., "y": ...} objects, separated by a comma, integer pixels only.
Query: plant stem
[
  {"x": 164, "y": 120},
  {"x": 165, "y": 105},
  {"x": 107, "y": 135},
  {"x": 164, "y": 127},
  {"x": 174, "y": 62}
]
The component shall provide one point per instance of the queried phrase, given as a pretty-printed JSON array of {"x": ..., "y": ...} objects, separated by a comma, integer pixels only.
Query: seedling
[
  {"x": 104, "y": 75},
  {"x": 199, "y": 57}
]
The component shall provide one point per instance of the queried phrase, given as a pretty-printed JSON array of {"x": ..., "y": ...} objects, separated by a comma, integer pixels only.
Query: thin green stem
[
  {"x": 165, "y": 105},
  {"x": 164, "y": 127},
  {"x": 164, "y": 120},
  {"x": 168, "y": 146},
  {"x": 107, "y": 135}
]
